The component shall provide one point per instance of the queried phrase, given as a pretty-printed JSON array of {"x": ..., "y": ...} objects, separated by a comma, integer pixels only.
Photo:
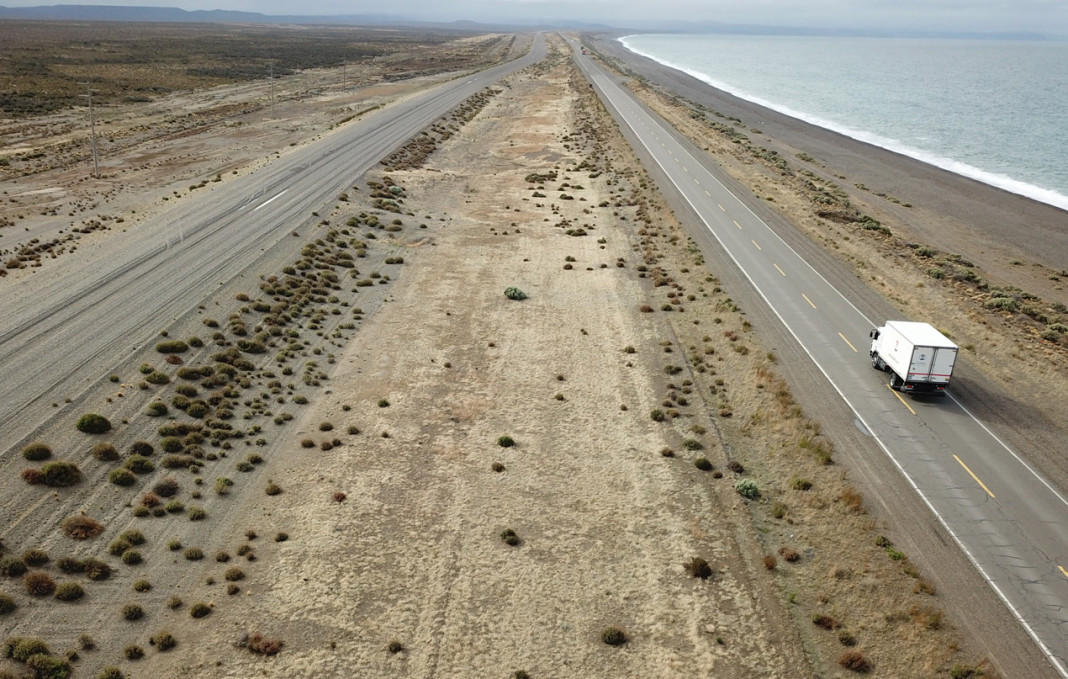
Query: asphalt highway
[
  {"x": 1008, "y": 520},
  {"x": 67, "y": 327}
]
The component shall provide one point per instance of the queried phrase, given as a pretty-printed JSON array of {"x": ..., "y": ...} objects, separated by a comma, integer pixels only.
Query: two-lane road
[
  {"x": 66, "y": 327},
  {"x": 1011, "y": 523}
]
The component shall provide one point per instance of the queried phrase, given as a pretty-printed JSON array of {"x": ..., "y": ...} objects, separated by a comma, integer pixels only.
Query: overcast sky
[{"x": 1046, "y": 16}]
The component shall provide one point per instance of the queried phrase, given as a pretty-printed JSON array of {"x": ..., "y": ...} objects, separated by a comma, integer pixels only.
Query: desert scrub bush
[
  {"x": 105, "y": 452},
  {"x": 39, "y": 583},
  {"x": 514, "y": 293},
  {"x": 37, "y": 452},
  {"x": 657, "y": 415},
  {"x": 96, "y": 570},
  {"x": 156, "y": 409},
  {"x": 196, "y": 513},
  {"x": 132, "y": 557},
  {"x": 158, "y": 378},
  {"x": 172, "y": 347},
  {"x": 222, "y": 485},
  {"x": 163, "y": 640},
  {"x": 748, "y": 489},
  {"x": 118, "y": 546},
  {"x": 193, "y": 553},
  {"x": 273, "y": 488},
  {"x": 703, "y": 464},
  {"x": 81, "y": 527},
  {"x": 261, "y": 645},
  {"x": 326, "y": 426},
  {"x": 698, "y": 568},
  {"x": 132, "y": 612},
  {"x": 69, "y": 591},
  {"x": 613, "y": 636},
  {"x": 111, "y": 672},
  {"x": 798, "y": 483},
  {"x": 281, "y": 537},
  {"x": 48, "y": 666},
  {"x": 22, "y": 649},
  {"x": 133, "y": 652},
  {"x": 70, "y": 565},
  {"x": 234, "y": 574},
  {"x": 174, "y": 602},
  {"x": 60, "y": 474},
  {"x": 142, "y": 586},
  {"x": 139, "y": 464},
  {"x": 505, "y": 441},
  {"x": 199, "y": 610},
  {"x": 35, "y": 558},
  {"x": 31, "y": 476},
  {"x": 12, "y": 567},
  {"x": 510, "y": 538},
  {"x": 166, "y": 487},
  {"x": 7, "y": 604},
  {"x": 855, "y": 661},
  {"x": 91, "y": 423}
]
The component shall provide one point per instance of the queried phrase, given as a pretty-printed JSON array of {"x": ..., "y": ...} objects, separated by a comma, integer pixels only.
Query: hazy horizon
[{"x": 983, "y": 16}]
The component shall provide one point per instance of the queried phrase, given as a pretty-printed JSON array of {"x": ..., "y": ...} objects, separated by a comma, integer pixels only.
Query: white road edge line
[
  {"x": 270, "y": 200},
  {"x": 1045, "y": 649}
]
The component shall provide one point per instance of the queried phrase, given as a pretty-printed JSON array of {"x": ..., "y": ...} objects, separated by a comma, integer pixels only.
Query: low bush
[
  {"x": 172, "y": 347},
  {"x": 261, "y": 645},
  {"x": 105, "y": 452},
  {"x": 613, "y": 636},
  {"x": 510, "y": 538},
  {"x": 132, "y": 612},
  {"x": 196, "y": 513},
  {"x": 70, "y": 565},
  {"x": 855, "y": 661},
  {"x": 698, "y": 568},
  {"x": 48, "y": 666},
  {"x": 7, "y": 604},
  {"x": 199, "y": 610},
  {"x": 22, "y": 649},
  {"x": 122, "y": 477},
  {"x": 12, "y": 567},
  {"x": 132, "y": 557},
  {"x": 703, "y": 464},
  {"x": 748, "y": 489},
  {"x": 514, "y": 293},
  {"x": 157, "y": 377},
  {"x": 156, "y": 409},
  {"x": 96, "y": 570},
  {"x": 60, "y": 474},
  {"x": 140, "y": 464},
  {"x": 91, "y": 423},
  {"x": 39, "y": 583},
  {"x": 69, "y": 591},
  {"x": 505, "y": 441},
  {"x": 37, "y": 452},
  {"x": 133, "y": 652},
  {"x": 166, "y": 487},
  {"x": 81, "y": 527},
  {"x": 234, "y": 574},
  {"x": 35, "y": 558},
  {"x": 163, "y": 640},
  {"x": 273, "y": 488},
  {"x": 142, "y": 586}
]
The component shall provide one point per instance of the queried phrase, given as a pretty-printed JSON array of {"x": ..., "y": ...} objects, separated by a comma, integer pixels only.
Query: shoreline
[
  {"x": 1037, "y": 230},
  {"x": 991, "y": 178}
]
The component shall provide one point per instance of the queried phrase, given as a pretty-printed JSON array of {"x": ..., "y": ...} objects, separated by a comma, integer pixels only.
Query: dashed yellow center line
[
  {"x": 707, "y": 193},
  {"x": 972, "y": 474},
  {"x": 722, "y": 209},
  {"x": 686, "y": 169},
  {"x": 1063, "y": 572},
  {"x": 778, "y": 269},
  {"x": 696, "y": 181},
  {"x": 809, "y": 301},
  {"x": 736, "y": 223},
  {"x": 847, "y": 341},
  {"x": 761, "y": 249},
  {"x": 901, "y": 399}
]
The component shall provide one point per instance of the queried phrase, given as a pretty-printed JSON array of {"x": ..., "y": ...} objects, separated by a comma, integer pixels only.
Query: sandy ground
[{"x": 394, "y": 533}]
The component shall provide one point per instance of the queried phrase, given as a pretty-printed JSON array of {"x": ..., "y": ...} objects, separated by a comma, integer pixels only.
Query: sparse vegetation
[
  {"x": 261, "y": 645},
  {"x": 613, "y": 636},
  {"x": 91, "y": 423},
  {"x": 81, "y": 527}
]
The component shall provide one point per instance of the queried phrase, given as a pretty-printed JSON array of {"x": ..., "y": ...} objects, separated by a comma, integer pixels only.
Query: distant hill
[{"x": 175, "y": 14}]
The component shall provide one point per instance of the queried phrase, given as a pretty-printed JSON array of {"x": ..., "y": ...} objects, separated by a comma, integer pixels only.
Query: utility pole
[{"x": 92, "y": 128}]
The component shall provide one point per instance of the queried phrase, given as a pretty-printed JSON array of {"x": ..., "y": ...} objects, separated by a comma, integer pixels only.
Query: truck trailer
[{"x": 919, "y": 358}]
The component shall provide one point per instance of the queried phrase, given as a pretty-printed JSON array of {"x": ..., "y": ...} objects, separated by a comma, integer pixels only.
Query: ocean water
[{"x": 995, "y": 111}]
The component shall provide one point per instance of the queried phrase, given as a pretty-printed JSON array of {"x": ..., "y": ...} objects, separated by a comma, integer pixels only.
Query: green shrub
[
  {"x": 35, "y": 558},
  {"x": 12, "y": 567},
  {"x": 514, "y": 293},
  {"x": 7, "y": 604},
  {"x": 171, "y": 444},
  {"x": 122, "y": 477},
  {"x": 91, "y": 423},
  {"x": 140, "y": 464},
  {"x": 157, "y": 377},
  {"x": 234, "y": 574},
  {"x": 133, "y": 612},
  {"x": 657, "y": 415},
  {"x": 37, "y": 452},
  {"x": 166, "y": 487},
  {"x": 698, "y": 568},
  {"x": 156, "y": 409},
  {"x": 199, "y": 610},
  {"x": 132, "y": 557},
  {"x": 172, "y": 347},
  {"x": 798, "y": 483},
  {"x": 692, "y": 444},
  {"x": 48, "y": 666},
  {"x": 96, "y": 569},
  {"x": 747, "y": 488},
  {"x": 69, "y": 591},
  {"x": 273, "y": 488},
  {"x": 197, "y": 513},
  {"x": 118, "y": 546},
  {"x": 105, "y": 452},
  {"x": 505, "y": 441},
  {"x": 613, "y": 636},
  {"x": 163, "y": 640},
  {"x": 510, "y": 538},
  {"x": 133, "y": 652},
  {"x": 142, "y": 586},
  {"x": 703, "y": 464},
  {"x": 60, "y": 474},
  {"x": 111, "y": 672},
  {"x": 22, "y": 649}
]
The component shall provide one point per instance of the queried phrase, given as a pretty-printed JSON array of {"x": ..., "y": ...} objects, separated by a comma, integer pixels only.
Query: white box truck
[{"x": 919, "y": 358}]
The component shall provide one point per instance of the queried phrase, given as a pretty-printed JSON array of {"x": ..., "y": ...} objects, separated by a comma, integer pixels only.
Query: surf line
[{"x": 269, "y": 200}]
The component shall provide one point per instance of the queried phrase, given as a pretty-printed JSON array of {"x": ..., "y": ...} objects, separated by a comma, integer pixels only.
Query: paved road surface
[
  {"x": 1012, "y": 523},
  {"x": 68, "y": 326}
]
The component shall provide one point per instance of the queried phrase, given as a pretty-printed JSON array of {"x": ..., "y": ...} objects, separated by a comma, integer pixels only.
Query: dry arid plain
[{"x": 378, "y": 464}]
